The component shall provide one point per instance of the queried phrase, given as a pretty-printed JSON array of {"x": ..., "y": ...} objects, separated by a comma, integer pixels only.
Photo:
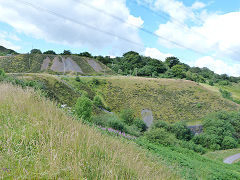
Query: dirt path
[{"x": 231, "y": 159}]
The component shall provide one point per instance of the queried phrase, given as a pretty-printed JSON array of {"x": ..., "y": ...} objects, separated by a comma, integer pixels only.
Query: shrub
[
  {"x": 116, "y": 123},
  {"x": 226, "y": 94},
  {"x": 2, "y": 73},
  {"x": 97, "y": 101},
  {"x": 133, "y": 130},
  {"x": 160, "y": 136},
  {"x": 95, "y": 81},
  {"x": 229, "y": 143},
  {"x": 181, "y": 131},
  {"x": 162, "y": 124},
  {"x": 83, "y": 108},
  {"x": 127, "y": 116},
  {"x": 78, "y": 79},
  {"x": 140, "y": 124}
]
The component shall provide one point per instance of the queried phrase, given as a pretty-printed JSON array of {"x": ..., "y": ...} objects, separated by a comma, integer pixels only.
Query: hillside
[
  {"x": 4, "y": 51},
  {"x": 39, "y": 140},
  {"x": 169, "y": 99},
  {"x": 58, "y": 64}
]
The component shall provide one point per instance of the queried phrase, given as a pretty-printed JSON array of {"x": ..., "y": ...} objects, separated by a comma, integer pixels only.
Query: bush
[
  {"x": 161, "y": 136},
  {"x": 78, "y": 79},
  {"x": 229, "y": 143},
  {"x": 133, "y": 130},
  {"x": 97, "y": 101},
  {"x": 127, "y": 116},
  {"x": 116, "y": 123},
  {"x": 140, "y": 124},
  {"x": 2, "y": 73},
  {"x": 181, "y": 131},
  {"x": 83, "y": 108}
]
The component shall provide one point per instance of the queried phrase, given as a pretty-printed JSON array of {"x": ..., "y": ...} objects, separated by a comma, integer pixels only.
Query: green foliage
[
  {"x": 191, "y": 165},
  {"x": 66, "y": 52},
  {"x": 181, "y": 131},
  {"x": 97, "y": 101},
  {"x": 83, "y": 108},
  {"x": 127, "y": 115},
  {"x": 2, "y": 73},
  {"x": 78, "y": 79},
  {"x": 117, "y": 124},
  {"x": 229, "y": 143},
  {"x": 160, "y": 136},
  {"x": 36, "y": 51},
  {"x": 85, "y": 54},
  {"x": 220, "y": 131},
  {"x": 179, "y": 71},
  {"x": 171, "y": 61},
  {"x": 4, "y": 51},
  {"x": 226, "y": 94},
  {"x": 50, "y": 52},
  {"x": 140, "y": 124}
]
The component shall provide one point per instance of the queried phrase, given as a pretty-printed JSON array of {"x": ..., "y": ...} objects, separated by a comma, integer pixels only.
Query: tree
[
  {"x": 179, "y": 71},
  {"x": 36, "y": 51},
  {"x": 66, "y": 52},
  {"x": 85, "y": 54},
  {"x": 50, "y": 52},
  {"x": 83, "y": 108},
  {"x": 171, "y": 61}
]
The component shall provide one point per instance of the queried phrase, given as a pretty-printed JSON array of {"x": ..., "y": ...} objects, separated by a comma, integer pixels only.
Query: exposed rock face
[
  {"x": 57, "y": 65},
  {"x": 65, "y": 65},
  {"x": 71, "y": 65},
  {"x": 95, "y": 65},
  {"x": 45, "y": 64},
  {"x": 147, "y": 117}
]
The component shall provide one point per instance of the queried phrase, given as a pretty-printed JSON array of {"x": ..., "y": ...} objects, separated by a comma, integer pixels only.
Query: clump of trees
[
  {"x": 50, "y": 52},
  {"x": 175, "y": 135},
  {"x": 35, "y": 51},
  {"x": 221, "y": 131}
]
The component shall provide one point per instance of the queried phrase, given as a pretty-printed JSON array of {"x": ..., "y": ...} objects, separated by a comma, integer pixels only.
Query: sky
[{"x": 200, "y": 33}]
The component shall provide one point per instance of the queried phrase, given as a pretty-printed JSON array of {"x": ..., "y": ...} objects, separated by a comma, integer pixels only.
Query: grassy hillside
[
  {"x": 4, "y": 51},
  {"x": 170, "y": 100},
  {"x": 25, "y": 63},
  {"x": 38, "y": 140},
  {"x": 221, "y": 155}
]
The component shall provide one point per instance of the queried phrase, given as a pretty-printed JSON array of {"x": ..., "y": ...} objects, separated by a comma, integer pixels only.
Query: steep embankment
[
  {"x": 39, "y": 140},
  {"x": 169, "y": 99},
  {"x": 52, "y": 63}
]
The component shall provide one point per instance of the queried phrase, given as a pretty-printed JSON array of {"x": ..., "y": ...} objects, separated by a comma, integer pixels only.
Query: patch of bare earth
[
  {"x": 95, "y": 65},
  {"x": 45, "y": 64},
  {"x": 65, "y": 65}
]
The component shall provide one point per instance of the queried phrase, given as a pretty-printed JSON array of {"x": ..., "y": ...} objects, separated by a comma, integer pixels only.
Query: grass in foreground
[{"x": 38, "y": 140}]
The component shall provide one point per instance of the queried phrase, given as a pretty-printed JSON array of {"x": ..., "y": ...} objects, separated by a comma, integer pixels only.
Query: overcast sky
[{"x": 200, "y": 33}]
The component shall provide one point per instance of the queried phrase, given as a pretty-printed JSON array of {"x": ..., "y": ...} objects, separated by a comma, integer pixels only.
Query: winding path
[{"x": 231, "y": 159}]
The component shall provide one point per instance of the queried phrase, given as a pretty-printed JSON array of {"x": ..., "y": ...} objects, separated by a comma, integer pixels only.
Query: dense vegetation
[
  {"x": 172, "y": 143},
  {"x": 221, "y": 131},
  {"x": 38, "y": 140},
  {"x": 169, "y": 100},
  {"x": 4, "y": 51}
]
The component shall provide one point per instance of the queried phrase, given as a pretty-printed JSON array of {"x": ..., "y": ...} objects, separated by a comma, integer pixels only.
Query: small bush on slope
[{"x": 37, "y": 140}]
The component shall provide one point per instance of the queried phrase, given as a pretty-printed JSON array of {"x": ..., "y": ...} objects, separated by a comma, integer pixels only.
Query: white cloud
[
  {"x": 155, "y": 53},
  {"x": 42, "y": 25},
  {"x": 5, "y": 40},
  {"x": 207, "y": 33},
  {"x": 136, "y": 21},
  {"x": 218, "y": 66},
  {"x": 198, "y": 5}
]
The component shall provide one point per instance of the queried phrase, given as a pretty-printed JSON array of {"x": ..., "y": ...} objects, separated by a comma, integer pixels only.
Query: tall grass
[{"x": 37, "y": 140}]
